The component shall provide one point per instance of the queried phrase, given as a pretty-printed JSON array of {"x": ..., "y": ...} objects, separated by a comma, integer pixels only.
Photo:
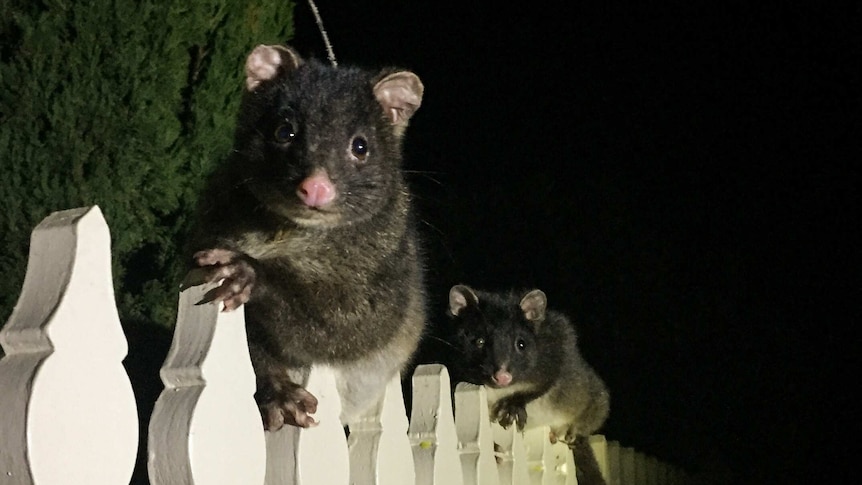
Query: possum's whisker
[
  {"x": 426, "y": 174},
  {"x": 432, "y": 226},
  {"x": 446, "y": 342}
]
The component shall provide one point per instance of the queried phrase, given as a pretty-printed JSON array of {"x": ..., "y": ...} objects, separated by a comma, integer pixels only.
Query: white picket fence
[{"x": 68, "y": 415}]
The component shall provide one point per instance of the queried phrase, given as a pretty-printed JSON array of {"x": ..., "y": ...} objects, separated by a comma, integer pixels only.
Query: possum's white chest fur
[{"x": 540, "y": 412}]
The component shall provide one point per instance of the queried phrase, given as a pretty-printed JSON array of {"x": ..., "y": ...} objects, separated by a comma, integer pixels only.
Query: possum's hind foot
[{"x": 285, "y": 402}]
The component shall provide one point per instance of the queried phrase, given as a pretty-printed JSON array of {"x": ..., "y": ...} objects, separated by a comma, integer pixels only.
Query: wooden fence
[{"x": 68, "y": 414}]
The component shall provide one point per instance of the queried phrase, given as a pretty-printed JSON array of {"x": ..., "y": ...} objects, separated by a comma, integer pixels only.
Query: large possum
[
  {"x": 527, "y": 357},
  {"x": 309, "y": 224}
]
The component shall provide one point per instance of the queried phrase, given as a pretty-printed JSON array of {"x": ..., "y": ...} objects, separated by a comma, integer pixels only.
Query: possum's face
[
  {"x": 322, "y": 145},
  {"x": 494, "y": 337}
]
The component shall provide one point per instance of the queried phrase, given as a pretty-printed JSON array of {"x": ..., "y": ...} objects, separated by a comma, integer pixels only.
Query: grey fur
[
  {"x": 338, "y": 284},
  {"x": 515, "y": 334}
]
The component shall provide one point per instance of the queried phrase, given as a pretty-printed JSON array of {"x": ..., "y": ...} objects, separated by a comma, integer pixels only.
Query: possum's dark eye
[
  {"x": 284, "y": 133},
  {"x": 480, "y": 342},
  {"x": 359, "y": 148},
  {"x": 520, "y": 344}
]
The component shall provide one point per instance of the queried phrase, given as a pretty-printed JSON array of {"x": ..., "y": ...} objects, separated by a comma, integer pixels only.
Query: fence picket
[
  {"x": 281, "y": 466},
  {"x": 511, "y": 455},
  {"x": 641, "y": 476},
  {"x": 628, "y": 466},
  {"x": 432, "y": 428},
  {"x": 205, "y": 428},
  {"x": 62, "y": 377},
  {"x": 548, "y": 464},
  {"x": 652, "y": 470},
  {"x": 614, "y": 476},
  {"x": 476, "y": 440},
  {"x": 64, "y": 347},
  {"x": 380, "y": 451},
  {"x": 311, "y": 456},
  {"x": 599, "y": 444}
]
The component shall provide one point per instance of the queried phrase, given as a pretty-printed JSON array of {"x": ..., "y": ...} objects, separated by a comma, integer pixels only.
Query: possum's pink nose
[
  {"x": 316, "y": 191},
  {"x": 502, "y": 378}
]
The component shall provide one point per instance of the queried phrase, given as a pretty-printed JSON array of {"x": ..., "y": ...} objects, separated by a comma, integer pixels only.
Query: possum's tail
[{"x": 587, "y": 466}]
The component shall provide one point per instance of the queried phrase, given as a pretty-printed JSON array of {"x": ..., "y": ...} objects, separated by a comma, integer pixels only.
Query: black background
[{"x": 680, "y": 179}]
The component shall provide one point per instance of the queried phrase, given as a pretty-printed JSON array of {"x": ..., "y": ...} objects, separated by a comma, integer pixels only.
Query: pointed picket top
[
  {"x": 651, "y": 464},
  {"x": 62, "y": 376},
  {"x": 641, "y": 468},
  {"x": 475, "y": 439},
  {"x": 432, "y": 428},
  {"x": 614, "y": 476},
  {"x": 599, "y": 444},
  {"x": 311, "y": 456},
  {"x": 380, "y": 451},
  {"x": 628, "y": 465},
  {"x": 511, "y": 454},
  {"x": 205, "y": 427},
  {"x": 548, "y": 463}
]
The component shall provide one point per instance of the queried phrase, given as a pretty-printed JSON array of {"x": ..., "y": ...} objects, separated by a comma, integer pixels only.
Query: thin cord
[{"x": 323, "y": 33}]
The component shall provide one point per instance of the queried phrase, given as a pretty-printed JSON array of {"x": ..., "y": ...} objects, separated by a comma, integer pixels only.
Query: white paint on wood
[
  {"x": 614, "y": 476},
  {"x": 547, "y": 463},
  {"x": 651, "y": 464},
  {"x": 628, "y": 466},
  {"x": 281, "y": 455},
  {"x": 536, "y": 446},
  {"x": 599, "y": 444},
  {"x": 69, "y": 414},
  {"x": 511, "y": 455},
  {"x": 563, "y": 461},
  {"x": 206, "y": 428},
  {"x": 379, "y": 448},
  {"x": 322, "y": 455},
  {"x": 663, "y": 473},
  {"x": 311, "y": 456},
  {"x": 432, "y": 428},
  {"x": 475, "y": 439},
  {"x": 640, "y": 468}
]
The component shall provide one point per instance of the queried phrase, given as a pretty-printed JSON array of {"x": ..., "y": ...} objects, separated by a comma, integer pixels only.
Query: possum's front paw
[
  {"x": 231, "y": 266},
  {"x": 283, "y": 402},
  {"x": 510, "y": 410}
]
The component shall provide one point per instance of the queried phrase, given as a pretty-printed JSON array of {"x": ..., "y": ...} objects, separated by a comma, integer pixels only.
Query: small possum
[
  {"x": 527, "y": 357},
  {"x": 309, "y": 224}
]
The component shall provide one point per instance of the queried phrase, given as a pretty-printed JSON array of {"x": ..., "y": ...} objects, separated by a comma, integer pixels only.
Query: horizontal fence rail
[{"x": 68, "y": 414}]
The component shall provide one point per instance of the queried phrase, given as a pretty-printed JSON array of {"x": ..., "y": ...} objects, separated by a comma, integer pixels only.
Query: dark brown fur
[
  {"x": 527, "y": 356},
  {"x": 337, "y": 284}
]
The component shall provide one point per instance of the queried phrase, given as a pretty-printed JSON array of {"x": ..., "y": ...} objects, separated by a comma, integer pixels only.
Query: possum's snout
[
  {"x": 502, "y": 378},
  {"x": 316, "y": 190}
]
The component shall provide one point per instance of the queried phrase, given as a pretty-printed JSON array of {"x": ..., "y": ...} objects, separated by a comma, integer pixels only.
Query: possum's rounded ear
[
  {"x": 400, "y": 95},
  {"x": 460, "y": 297},
  {"x": 267, "y": 62},
  {"x": 534, "y": 305}
]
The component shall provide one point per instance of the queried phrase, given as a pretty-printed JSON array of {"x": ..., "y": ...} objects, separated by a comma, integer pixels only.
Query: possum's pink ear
[
  {"x": 460, "y": 297},
  {"x": 534, "y": 305},
  {"x": 400, "y": 95},
  {"x": 268, "y": 61}
]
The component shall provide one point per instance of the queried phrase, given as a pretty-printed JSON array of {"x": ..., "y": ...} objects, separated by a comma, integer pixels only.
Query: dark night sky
[{"x": 676, "y": 177}]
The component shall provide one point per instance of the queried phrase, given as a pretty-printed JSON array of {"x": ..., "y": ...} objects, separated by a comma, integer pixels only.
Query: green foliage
[{"x": 124, "y": 104}]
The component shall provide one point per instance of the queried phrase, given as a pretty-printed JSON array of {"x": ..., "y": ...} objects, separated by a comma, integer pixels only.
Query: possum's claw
[
  {"x": 510, "y": 410},
  {"x": 209, "y": 257},
  {"x": 286, "y": 403},
  {"x": 222, "y": 264}
]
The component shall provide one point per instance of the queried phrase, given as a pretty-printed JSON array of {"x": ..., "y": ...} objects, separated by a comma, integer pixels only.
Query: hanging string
[{"x": 319, "y": 20}]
